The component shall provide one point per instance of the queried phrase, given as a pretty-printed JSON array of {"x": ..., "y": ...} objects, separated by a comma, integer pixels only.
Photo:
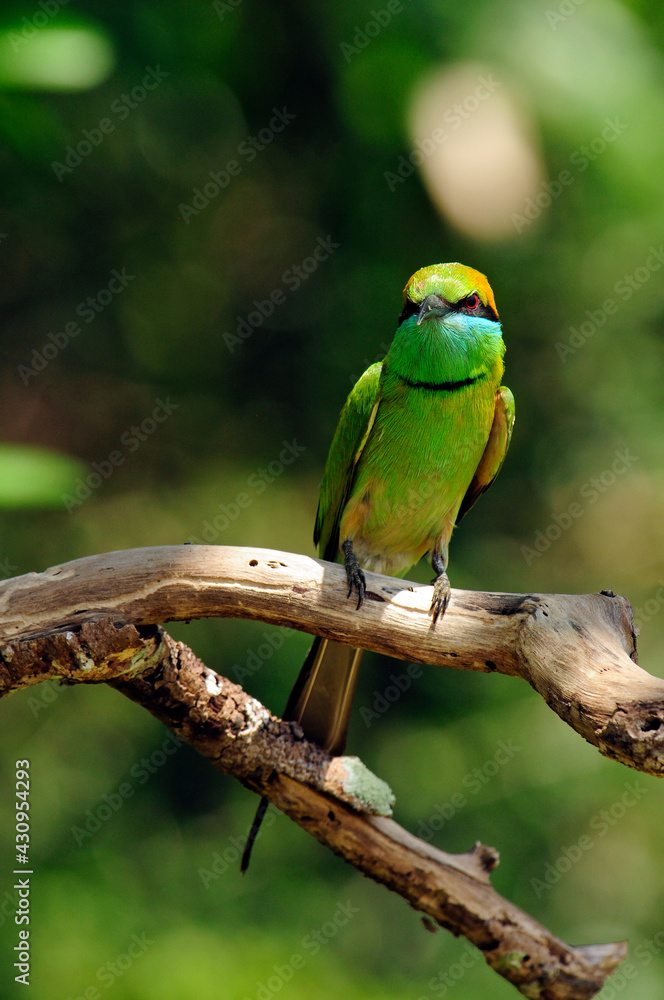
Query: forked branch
[{"x": 92, "y": 620}]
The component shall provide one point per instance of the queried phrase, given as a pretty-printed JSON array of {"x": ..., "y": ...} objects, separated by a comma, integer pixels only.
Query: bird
[{"x": 422, "y": 435}]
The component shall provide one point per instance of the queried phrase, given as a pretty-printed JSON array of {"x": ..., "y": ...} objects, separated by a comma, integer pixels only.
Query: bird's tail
[
  {"x": 320, "y": 701},
  {"x": 322, "y": 695}
]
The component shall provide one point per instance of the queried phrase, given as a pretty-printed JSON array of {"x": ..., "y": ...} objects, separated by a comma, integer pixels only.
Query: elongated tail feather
[
  {"x": 253, "y": 833},
  {"x": 321, "y": 702},
  {"x": 322, "y": 695}
]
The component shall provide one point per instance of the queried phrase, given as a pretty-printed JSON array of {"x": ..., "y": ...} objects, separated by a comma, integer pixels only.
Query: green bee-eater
[{"x": 422, "y": 435}]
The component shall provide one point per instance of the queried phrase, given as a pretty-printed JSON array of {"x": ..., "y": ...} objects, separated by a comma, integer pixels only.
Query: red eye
[{"x": 473, "y": 301}]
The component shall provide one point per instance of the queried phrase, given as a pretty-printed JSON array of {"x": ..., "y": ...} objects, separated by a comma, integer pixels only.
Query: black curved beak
[{"x": 433, "y": 305}]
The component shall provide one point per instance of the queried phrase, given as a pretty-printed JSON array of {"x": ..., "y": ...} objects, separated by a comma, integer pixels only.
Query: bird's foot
[
  {"x": 354, "y": 574},
  {"x": 441, "y": 596}
]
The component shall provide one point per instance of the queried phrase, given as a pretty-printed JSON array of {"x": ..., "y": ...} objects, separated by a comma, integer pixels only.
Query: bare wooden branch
[
  {"x": 578, "y": 652},
  {"x": 239, "y": 736}
]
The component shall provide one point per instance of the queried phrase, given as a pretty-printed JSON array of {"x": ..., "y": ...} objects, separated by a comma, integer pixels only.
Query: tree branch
[
  {"x": 578, "y": 652},
  {"x": 239, "y": 736}
]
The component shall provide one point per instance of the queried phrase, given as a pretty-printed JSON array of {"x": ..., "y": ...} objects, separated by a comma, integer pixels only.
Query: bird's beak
[{"x": 433, "y": 305}]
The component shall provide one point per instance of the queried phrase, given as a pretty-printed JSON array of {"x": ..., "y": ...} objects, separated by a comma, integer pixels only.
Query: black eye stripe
[
  {"x": 410, "y": 308},
  {"x": 486, "y": 312}
]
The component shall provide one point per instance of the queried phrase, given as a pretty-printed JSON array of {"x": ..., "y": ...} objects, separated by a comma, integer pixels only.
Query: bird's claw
[
  {"x": 354, "y": 574},
  {"x": 356, "y": 579},
  {"x": 441, "y": 596}
]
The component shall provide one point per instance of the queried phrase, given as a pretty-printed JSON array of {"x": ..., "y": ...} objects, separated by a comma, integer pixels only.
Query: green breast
[{"x": 422, "y": 452}]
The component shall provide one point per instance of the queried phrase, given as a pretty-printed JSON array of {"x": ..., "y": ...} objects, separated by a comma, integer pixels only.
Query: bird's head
[
  {"x": 448, "y": 328},
  {"x": 449, "y": 292}
]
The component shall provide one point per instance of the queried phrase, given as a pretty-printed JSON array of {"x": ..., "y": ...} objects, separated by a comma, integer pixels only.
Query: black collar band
[{"x": 444, "y": 386}]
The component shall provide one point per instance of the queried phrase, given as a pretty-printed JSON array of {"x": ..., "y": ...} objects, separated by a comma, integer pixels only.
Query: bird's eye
[{"x": 472, "y": 301}]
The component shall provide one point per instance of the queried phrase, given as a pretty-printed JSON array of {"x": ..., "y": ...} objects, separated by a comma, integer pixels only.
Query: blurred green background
[{"x": 168, "y": 170}]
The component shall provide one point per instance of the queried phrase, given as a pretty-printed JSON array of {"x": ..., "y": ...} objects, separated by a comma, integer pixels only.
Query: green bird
[{"x": 422, "y": 435}]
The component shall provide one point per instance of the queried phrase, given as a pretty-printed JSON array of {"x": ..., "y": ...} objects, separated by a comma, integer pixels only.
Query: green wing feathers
[
  {"x": 495, "y": 451},
  {"x": 356, "y": 421}
]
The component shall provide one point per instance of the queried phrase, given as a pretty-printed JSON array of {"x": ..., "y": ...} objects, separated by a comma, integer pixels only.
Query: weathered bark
[
  {"x": 240, "y": 737},
  {"x": 578, "y": 652}
]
